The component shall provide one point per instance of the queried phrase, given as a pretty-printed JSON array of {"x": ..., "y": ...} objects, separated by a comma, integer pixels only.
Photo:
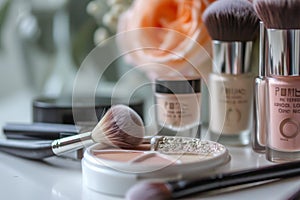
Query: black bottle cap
[{"x": 178, "y": 85}]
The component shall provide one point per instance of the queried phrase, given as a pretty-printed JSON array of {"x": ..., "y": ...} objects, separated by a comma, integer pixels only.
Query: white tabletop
[{"x": 58, "y": 178}]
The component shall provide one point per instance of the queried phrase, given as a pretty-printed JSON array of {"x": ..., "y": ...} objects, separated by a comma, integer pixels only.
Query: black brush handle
[
  {"x": 45, "y": 131},
  {"x": 27, "y": 149},
  {"x": 183, "y": 188},
  {"x": 44, "y": 149}
]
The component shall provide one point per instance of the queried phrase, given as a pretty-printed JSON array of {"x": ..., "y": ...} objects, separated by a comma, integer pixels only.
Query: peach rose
[{"x": 162, "y": 36}]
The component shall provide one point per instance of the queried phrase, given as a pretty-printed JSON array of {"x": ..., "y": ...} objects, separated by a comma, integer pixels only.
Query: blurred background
[
  {"x": 40, "y": 38},
  {"x": 45, "y": 43}
]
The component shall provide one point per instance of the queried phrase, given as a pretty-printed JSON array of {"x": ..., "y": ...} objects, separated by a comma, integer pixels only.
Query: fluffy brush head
[
  {"x": 278, "y": 14},
  {"x": 231, "y": 20},
  {"x": 120, "y": 126}
]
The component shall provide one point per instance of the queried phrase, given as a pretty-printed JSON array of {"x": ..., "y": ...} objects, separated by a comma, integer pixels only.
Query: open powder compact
[{"x": 113, "y": 171}]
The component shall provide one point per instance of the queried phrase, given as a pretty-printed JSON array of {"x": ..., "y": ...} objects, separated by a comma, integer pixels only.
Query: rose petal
[{"x": 169, "y": 33}]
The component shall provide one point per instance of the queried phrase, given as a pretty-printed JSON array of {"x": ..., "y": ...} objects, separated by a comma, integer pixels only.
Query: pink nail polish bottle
[{"x": 283, "y": 96}]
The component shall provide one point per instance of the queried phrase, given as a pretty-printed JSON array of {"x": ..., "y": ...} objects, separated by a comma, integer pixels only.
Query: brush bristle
[
  {"x": 279, "y": 14},
  {"x": 120, "y": 126},
  {"x": 148, "y": 191},
  {"x": 231, "y": 20}
]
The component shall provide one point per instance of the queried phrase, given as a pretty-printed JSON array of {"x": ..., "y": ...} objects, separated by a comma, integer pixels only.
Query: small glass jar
[{"x": 178, "y": 101}]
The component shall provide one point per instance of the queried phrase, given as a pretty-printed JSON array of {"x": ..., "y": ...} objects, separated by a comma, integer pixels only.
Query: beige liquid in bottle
[{"x": 231, "y": 107}]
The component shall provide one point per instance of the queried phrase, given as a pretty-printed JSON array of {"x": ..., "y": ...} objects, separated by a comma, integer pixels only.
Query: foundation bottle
[
  {"x": 177, "y": 105},
  {"x": 283, "y": 96},
  {"x": 231, "y": 92}
]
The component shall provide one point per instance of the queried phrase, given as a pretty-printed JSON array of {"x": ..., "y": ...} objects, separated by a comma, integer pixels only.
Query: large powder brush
[
  {"x": 231, "y": 20},
  {"x": 120, "y": 127},
  {"x": 278, "y": 14}
]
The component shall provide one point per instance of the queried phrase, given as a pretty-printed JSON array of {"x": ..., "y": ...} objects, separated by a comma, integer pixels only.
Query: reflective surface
[{"x": 61, "y": 179}]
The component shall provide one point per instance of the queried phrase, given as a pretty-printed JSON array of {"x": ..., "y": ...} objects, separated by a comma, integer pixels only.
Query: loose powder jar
[{"x": 178, "y": 102}]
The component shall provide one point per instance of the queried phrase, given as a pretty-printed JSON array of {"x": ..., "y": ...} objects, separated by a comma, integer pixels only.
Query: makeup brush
[
  {"x": 182, "y": 188},
  {"x": 231, "y": 21},
  {"x": 278, "y": 14},
  {"x": 120, "y": 126}
]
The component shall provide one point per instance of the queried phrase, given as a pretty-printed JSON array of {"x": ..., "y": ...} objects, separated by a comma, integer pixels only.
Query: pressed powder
[
  {"x": 178, "y": 102},
  {"x": 113, "y": 171},
  {"x": 140, "y": 157},
  {"x": 121, "y": 156}
]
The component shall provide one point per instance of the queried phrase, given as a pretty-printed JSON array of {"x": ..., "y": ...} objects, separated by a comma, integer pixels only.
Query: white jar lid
[{"x": 113, "y": 171}]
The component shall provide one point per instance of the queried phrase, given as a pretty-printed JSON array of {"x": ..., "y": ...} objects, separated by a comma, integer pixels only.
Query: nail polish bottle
[
  {"x": 260, "y": 126},
  {"x": 231, "y": 92},
  {"x": 283, "y": 96},
  {"x": 177, "y": 105}
]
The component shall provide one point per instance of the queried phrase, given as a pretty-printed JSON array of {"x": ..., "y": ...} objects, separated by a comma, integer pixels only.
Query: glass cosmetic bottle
[
  {"x": 178, "y": 101},
  {"x": 283, "y": 96},
  {"x": 260, "y": 124},
  {"x": 231, "y": 92}
]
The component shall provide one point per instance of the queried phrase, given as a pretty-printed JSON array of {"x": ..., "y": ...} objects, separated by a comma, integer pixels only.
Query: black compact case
[
  {"x": 60, "y": 111},
  {"x": 54, "y": 118}
]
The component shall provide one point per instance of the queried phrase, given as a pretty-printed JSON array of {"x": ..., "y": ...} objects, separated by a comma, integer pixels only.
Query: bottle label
[
  {"x": 178, "y": 111},
  {"x": 231, "y": 104},
  {"x": 284, "y": 115}
]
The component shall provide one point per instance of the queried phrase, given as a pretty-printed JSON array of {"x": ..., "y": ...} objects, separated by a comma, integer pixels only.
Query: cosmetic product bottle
[
  {"x": 231, "y": 90},
  {"x": 283, "y": 93},
  {"x": 233, "y": 26},
  {"x": 178, "y": 101},
  {"x": 260, "y": 124},
  {"x": 283, "y": 78}
]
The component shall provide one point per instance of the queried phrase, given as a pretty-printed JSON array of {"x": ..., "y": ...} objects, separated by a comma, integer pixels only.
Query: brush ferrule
[
  {"x": 154, "y": 141},
  {"x": 284, "y": 52},
  {"x": 71, "y": 143},
  {"x": 232, "y": 57}
]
